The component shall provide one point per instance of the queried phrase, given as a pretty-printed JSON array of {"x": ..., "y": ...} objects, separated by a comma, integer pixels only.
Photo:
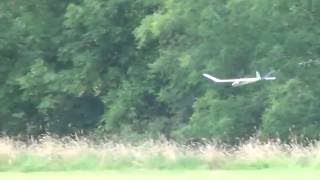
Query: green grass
[
  {"x": 96, "y": 162},
  {"x": 83, "y": 155},
  {"x": 93, "y": 162},
  {"x": 168, "y": 175}
]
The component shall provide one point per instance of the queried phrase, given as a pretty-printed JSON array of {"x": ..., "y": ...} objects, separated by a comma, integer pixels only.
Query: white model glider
[{"x": 240, "y": 81}]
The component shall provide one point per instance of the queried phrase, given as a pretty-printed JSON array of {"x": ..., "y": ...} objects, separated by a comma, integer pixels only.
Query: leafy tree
[
  {"x": 293, "y": 112},
  {"x": 134, "y": 67}
]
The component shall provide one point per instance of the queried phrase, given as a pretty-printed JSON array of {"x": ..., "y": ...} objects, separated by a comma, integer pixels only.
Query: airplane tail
[
  {"x": 258, "y": 75},
  {"x": 212, "y": 78}
]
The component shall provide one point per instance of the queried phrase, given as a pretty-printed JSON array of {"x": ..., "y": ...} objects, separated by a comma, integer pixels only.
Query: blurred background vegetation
[{"x": 132, "y": 68}]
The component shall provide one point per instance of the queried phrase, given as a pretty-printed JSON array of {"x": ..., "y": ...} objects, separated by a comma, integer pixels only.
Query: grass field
[
  {"x": 57, "y": 155},
  {"x": 83, "y": 159},
  {"x": 168, "y": 175}
]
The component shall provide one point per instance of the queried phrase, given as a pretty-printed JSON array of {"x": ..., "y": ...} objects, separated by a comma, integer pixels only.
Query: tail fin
[
  {"x": 258, "y": 75},
  {"x": 211, "y": 77}
]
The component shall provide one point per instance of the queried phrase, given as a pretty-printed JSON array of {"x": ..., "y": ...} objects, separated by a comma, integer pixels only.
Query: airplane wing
[{"x": 226, "y": 80}]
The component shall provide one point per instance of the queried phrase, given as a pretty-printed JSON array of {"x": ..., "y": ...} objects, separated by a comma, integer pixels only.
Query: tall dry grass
[{"x": 51, "y": 154}]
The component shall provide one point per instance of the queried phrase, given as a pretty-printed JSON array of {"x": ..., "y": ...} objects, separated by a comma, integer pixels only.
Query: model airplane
[{"x": 240, "y": 81}]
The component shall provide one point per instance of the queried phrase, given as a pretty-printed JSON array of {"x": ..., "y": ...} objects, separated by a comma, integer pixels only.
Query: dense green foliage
[{"x": 133, "y": 68}]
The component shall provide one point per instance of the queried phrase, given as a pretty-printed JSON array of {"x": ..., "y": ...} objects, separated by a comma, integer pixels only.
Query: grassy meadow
[{"x": 80, "y": 154}]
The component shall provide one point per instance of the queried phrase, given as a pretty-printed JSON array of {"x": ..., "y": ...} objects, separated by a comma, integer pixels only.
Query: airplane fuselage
[{"x": 248, "y": 81}]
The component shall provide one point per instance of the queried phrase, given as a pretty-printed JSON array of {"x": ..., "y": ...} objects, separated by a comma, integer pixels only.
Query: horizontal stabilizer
[{"x": 269, "y": 78}]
